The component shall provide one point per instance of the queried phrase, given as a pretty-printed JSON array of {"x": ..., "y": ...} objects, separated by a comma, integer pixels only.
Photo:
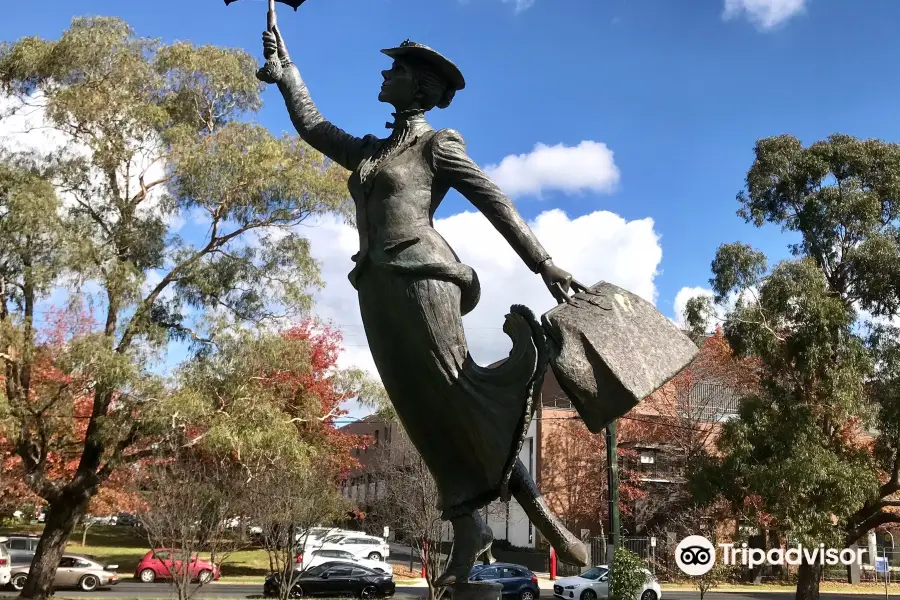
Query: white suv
[
  {"x": 361, "y": 546},
  {"x": 5, "y": 563}
]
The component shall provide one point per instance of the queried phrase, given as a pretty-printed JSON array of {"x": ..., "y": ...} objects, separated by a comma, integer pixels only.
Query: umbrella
[{"x": 293, "y": 3}]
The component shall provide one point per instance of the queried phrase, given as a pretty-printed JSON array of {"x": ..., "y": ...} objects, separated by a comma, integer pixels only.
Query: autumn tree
[
  {"x": 574, "y": 477},
  {"x": 188, "y": 500},
  {"x": 685, "y": 417},
  {"x": 155, "y": 135},
  {"x": 815, "y": 449},
  {"x": 406, "y": 498}
]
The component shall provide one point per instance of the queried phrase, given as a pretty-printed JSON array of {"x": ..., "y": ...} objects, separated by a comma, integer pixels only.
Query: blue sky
[{"x": 677, "y": 90}]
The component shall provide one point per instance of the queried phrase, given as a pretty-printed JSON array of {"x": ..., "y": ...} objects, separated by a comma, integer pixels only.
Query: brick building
[{"x": 568, "y": 463}]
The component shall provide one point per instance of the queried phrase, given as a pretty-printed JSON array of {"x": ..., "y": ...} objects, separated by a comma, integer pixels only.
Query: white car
[
  {"x": 317, "y": 557},
  {"x": 594, "y": 583},
  {"x": 5, "y": 563},
  {"x": 359, "y": 545}
]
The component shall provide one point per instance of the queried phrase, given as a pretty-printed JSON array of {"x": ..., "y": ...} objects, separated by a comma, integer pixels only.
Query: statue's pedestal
[{"x": 477, "y": 590}]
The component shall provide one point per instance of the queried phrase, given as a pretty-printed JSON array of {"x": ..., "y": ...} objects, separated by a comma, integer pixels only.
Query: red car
[{"x": 161, "y": 564}]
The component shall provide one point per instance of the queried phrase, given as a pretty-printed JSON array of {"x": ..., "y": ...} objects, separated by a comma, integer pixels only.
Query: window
[
  {"x": 377, "y": 436},
  {"x": 594, "y": 574},
  {"x": 340, "y": 572},
  {"x": 359, "y": 573},
  {"x": 162, "y": 555},
  {"x": 82, "y": 564},
  {"x": 343, "y": 554},
  {"x": 356, "y": 541},
  {"x": 17, "y": 544},
  {"x": 316, "y": 571},
  {"x": 333, "y": 539},
  {"x": 66, "y": 562},
  {"x": 509, "y": 572},
  {"x": 489, "y": 574}
]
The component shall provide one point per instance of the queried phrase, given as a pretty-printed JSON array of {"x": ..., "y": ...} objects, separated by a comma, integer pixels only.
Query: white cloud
[
  {"x": 589, "y": 166},
  {"x": 594, "y": 247},
  {"x": 681, "y": 300},
  {"x": 520, "y": 5},
  {"x": 764, "y": 14}
]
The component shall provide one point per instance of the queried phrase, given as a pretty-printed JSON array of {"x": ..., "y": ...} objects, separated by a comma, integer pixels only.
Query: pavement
[{"x": 409, "y": 589}]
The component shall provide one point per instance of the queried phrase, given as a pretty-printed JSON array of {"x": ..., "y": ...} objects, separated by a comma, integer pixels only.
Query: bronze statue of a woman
[{"x": 466, "y": 421}]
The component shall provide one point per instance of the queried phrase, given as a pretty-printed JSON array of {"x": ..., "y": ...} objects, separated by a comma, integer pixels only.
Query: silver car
[{"x": 74, "y": 571}]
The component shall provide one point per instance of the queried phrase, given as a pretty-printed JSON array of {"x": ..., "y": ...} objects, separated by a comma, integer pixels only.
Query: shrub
[{"x": 628, "y": 575}]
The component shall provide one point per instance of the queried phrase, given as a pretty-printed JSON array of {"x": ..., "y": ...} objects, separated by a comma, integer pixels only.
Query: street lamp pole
[{"x": 612, "y": 468}]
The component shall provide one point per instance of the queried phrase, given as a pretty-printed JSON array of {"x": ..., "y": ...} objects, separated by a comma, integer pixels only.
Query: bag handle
[{"x": 574, "y": 285}]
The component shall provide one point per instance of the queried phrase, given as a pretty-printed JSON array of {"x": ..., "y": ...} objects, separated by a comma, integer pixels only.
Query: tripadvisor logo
[{"x": 695, "y": 555}]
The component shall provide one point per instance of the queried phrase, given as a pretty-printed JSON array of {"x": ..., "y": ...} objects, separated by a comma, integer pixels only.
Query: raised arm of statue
[
  {"x": 332, "y": 141},
  {"x": 454, "y": 168}
]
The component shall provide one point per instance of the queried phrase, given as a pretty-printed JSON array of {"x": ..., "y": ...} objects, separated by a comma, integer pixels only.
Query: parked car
[
  {"x": 318, "y": 535},
  {"x": 318, "y": 557},
  {"x": 101, "y": 519},
  {"x": 360, "y": 545},
  {"x": 335, "y": 579},
  {"x": 5, "y": 563},
  {"x": 518, "y": 581},
  {"x": 127, "y": 520},
  {"x": 163, "y": 563},
  {"x": 74, "y": 571},
  {"x": 21, "y": 548},
  {"x": 594, "y": 583}
]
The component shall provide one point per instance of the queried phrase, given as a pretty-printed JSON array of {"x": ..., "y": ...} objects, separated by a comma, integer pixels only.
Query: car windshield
[
  {"x": 594, "y": 574},
  {"x": 333, "y": 539}
]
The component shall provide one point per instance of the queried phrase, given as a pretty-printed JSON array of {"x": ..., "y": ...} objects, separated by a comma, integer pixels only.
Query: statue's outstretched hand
[
  {"x": 558, "y": 281},
  {"x": 276, "y": 54}
]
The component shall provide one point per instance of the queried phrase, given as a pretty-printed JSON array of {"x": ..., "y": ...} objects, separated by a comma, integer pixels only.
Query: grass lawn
[
  {"x": 864, "y": 587},
  {"x": 124, "y": 546}
]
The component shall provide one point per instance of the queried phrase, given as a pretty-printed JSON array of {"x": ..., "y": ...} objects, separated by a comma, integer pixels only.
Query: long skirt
[{"x": 465, "y": 420}]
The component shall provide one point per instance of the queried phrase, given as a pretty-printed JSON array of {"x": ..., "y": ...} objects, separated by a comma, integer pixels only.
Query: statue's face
[{"x": 399, "y": 87}]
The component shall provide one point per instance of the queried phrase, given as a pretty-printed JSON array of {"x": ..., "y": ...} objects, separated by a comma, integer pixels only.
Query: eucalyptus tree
[
  {"x": 815, "y": 451},
  {"x": 154, "y": 136}
]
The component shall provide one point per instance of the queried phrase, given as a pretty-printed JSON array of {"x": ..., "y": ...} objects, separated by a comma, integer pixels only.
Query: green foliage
[
  {"x": 154, "y": 135},
  {"x": 711, "y": 579},
  {"x": 796, "y": 457},
  {"x": 628, "y": 575}
]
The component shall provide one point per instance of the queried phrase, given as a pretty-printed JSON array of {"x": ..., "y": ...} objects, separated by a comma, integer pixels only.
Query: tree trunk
[
  {"x": 808, "y": 581},
  {"x": 62, "y": 515},
  {"x": 84, "y": 529}
]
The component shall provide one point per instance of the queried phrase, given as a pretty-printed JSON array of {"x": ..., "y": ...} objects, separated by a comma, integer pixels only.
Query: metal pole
[{"x": 612, "y": 468}]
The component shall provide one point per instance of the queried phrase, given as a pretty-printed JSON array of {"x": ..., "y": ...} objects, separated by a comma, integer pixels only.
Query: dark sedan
[
  {"x": 334, "y": 579},
  {"x": 518, "y": 582}
]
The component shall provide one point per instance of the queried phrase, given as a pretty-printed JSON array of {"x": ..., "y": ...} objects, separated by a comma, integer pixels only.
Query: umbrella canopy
[{"x": 292, "y": 3}]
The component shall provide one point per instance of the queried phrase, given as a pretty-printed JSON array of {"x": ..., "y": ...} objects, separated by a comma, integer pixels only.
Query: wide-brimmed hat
[{"x": 425, "y": 54}]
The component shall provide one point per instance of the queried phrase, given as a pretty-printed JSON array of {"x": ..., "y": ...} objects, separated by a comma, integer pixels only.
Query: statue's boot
[
  {"x": 471, "y": 539},
  {"x": 568, "y": 548}
]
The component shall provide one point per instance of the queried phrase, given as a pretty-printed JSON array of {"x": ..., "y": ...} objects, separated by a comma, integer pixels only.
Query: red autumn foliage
[
  {"x": 313, "y": 396},
  {"x": 58, "y": 410},
  {"x": 574, "y": 475}
]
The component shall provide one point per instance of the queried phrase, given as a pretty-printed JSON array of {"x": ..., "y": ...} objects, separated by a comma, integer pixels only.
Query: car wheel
[
  {"x": 374, "y": 556},
  {"x": 648, "y": 595},
  {"x": 147, "y": 576},
  {"x": 297, "y": 592},
  {"x": 588, "y": 595},
  {"x": 89, "y": 583},
  {"x": 369, "y": 593},
  {"x": 205, "y": 577},
  {"x": 528, "y": 595},
  {"x": 18, "y": 582}
]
